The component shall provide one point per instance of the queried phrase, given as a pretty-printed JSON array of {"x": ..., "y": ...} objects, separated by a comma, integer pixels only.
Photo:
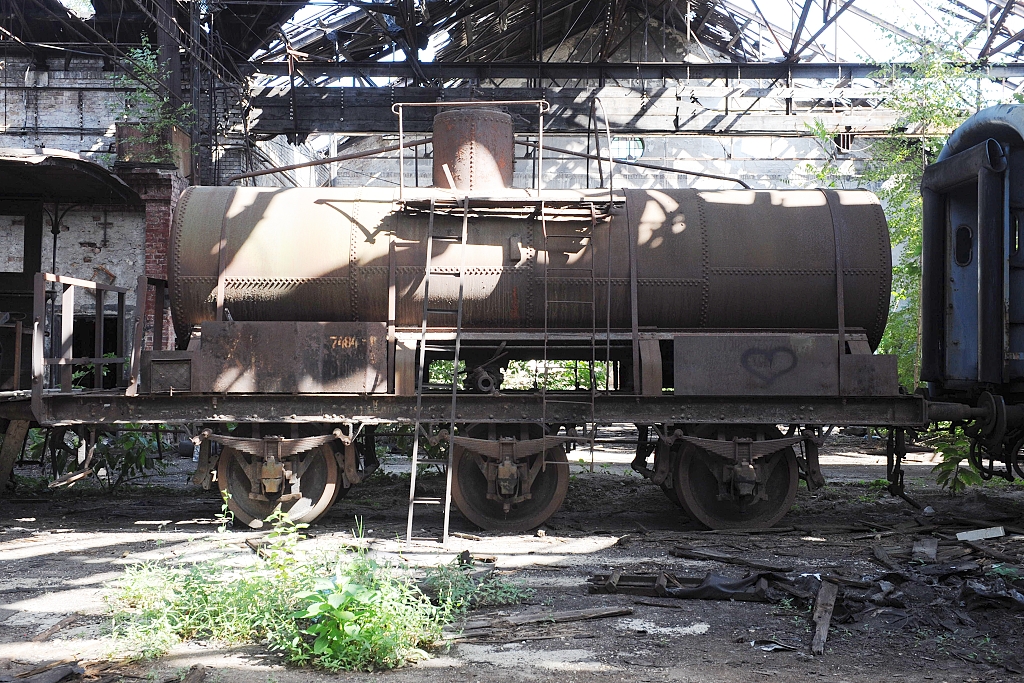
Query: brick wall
[{"x": 160, "y": 190}]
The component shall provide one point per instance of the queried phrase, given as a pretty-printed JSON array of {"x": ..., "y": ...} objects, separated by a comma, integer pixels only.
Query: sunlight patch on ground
[{"x": 698, "y": 628}]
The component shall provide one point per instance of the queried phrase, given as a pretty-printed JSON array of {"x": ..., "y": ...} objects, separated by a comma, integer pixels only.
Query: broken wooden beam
[
  {"x": 884, "y": 559},
  {"x": 570, "y": 615},
  {"x": 66, "y": 621},
  {"x": 716, "y": 556},
  {"x": 822, "y": 617},
  {"x": 991, "y": 552}
]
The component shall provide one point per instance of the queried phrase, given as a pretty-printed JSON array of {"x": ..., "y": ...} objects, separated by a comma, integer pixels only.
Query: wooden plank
[
  {"x": 84, "y": 284},
  {"x": 14, "y": 440},
  {"x": 925, "y": 549},
  {"x": 992, "y": 552},
  {"x": 563, "y": 617},
  {"x": 883, "y": 557},
  {"x": 45, "y": 635},
  {"x": 822, "y": 618},
  {"x": 716, "y": 556}
]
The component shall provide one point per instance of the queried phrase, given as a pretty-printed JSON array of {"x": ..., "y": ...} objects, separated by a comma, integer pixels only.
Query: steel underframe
[{"x": 115, "y": 408}]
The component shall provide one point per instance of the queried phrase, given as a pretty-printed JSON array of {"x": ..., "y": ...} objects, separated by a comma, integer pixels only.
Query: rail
[
  {"x": 399, "y": 108},
  {"x": 61, "y": 356}
]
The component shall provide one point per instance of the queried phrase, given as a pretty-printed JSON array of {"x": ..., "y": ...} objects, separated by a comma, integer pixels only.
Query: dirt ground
[{"x": 58, "y": 552}]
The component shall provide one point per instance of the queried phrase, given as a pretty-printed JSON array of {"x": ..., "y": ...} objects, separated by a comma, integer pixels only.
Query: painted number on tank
[{"x": 345, "y": 342}]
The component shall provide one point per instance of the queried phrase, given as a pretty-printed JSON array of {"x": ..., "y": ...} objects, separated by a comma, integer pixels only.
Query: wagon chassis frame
[{"x": 114, "y": 407}]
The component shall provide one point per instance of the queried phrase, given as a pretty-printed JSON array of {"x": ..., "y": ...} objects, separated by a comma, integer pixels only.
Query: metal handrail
[
  {"x": 65, "y": 360},
  {"x": 543, "y": 106}
]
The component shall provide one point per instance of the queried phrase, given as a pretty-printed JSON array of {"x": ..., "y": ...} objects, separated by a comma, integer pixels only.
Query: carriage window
[
  {"x": 12, "y": 244},
  {"x": 963, "y": 245}
]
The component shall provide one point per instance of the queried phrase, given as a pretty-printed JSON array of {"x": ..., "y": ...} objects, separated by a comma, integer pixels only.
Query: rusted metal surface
[
  {"x": 478, "y": 147},
  {"x": 909, "y": 411},
  {"x": 756, "y": 365},
  {"x": 166, "y": 372},
  {"x": 705, "y": 259},
  {"x": 291, "y": 357},
  {"x": 774, "y": 364}
]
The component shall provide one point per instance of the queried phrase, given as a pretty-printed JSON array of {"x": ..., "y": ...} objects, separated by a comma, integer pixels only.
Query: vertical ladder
[
  {"x": 588, "y": 254},
  {"x": 428, "y": 274}
]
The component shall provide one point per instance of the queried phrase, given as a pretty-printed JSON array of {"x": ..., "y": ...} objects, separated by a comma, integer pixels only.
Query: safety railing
[
  {"x": 53, "y": 364},
  {"x": 399, "y": 108}
]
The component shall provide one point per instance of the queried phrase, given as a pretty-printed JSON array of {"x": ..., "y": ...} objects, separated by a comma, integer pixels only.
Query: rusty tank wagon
[{"x": 730, "y": 326}]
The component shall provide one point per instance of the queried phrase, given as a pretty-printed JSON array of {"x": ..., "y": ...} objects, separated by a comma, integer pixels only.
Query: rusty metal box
[
  {"x": 291, "y": 357},
  {"x": 776, "y": 364},
  {"x": 165, "y": 372}
]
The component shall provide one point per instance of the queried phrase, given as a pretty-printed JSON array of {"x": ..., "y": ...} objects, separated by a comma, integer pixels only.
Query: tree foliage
[
  {"x": 143, "y": 101},
  {"x": 932, "y": 100}
]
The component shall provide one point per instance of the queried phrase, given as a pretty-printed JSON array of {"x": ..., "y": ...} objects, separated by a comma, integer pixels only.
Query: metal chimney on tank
[{"x": 478, "y": 147}]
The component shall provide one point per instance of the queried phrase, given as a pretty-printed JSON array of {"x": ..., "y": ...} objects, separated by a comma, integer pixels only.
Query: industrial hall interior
[{"x": 501, "y": 340}]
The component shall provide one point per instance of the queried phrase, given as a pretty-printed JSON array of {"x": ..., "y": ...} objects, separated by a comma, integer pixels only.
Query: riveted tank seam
[
  {"x": 353, "y": 285},
  {"x": 705, "y": 262},
  {"x": 884, "y": 293},
  {"x": 175, "y": 272}
]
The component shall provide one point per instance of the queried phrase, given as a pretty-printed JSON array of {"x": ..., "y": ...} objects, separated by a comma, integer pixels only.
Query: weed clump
[
  {"x": 343, "y": 611},
  {"x": 456, "y": 588}
]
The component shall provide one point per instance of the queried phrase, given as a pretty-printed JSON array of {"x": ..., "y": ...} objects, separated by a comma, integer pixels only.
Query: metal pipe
[
  {"x": 611, "y": 161},
  {"x": 330, "y": 160},
  {"x": 953, "y": 412},
  {"x": 638, "y": 164},
  {"x": 963, "y": 167}
]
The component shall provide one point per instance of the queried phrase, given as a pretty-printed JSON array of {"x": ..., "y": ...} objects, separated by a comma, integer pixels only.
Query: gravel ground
[{"x": 58, "y": 552}]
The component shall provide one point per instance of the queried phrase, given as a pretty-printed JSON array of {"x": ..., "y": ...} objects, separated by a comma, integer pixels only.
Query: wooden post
[
  {"x": 122, "y": 377},
  {"x": 822, "y": 618},
  {"x": 67, "y": 333},
  {"x": 18, "y": 331},
  {"x": 97, "y": 372},
  {"x": 14, "y": 441}
]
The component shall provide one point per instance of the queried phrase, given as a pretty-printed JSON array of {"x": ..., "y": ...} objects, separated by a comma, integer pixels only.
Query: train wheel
[
  {"x": 698, "y": 488},
  {"x": 469, "y": 490},
  {"x": 319, "y": 486},
  {"x": 670, "y": 493}
]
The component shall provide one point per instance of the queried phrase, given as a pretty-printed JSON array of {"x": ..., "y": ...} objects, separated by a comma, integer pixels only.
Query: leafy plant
[
  {"x": 143, "y": 103},
  {"x": 338, "y": 611},
  {"x": 363, "y": 618},
  {"x": 829, "y": 173},
  {"x": 125, "y": 456},
  {"x": 952, "y": 473},
  {"x": 456, "y": 590}
]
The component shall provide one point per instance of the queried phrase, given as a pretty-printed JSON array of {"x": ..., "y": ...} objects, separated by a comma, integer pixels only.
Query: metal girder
[
  {"x": 799, "y": 28},
  {"x": 828, "y": 22},
  {"x": 677, "y": 109},
  {"x": 996, "y": 28},
  {"x": 906, "y": 411},
  {"x": 594, "y": 71}
]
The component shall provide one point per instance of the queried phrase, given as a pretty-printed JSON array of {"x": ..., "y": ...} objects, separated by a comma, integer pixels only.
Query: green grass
[
  {"x": 456, "y": 590},
  {"x": 338, "y": 611}
]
